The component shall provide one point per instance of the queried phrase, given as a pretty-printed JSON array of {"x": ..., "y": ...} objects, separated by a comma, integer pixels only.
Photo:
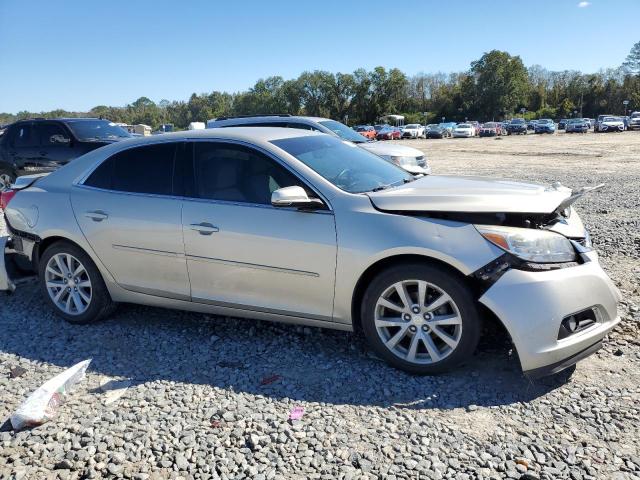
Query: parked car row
[{"x": 44, "y": 145}]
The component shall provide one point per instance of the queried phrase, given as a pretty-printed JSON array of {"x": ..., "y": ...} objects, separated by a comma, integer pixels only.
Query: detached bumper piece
[{"x": 11, "y": 274}]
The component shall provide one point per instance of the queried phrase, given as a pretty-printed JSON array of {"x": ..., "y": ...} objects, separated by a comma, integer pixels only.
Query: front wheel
[
  {"x": 420, "y": 318},
  {"x": 73, "y": 285}
]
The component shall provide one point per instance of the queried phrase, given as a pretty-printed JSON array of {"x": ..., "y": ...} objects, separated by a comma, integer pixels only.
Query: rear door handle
[
  {"x": 96, "y": 216},
  {"x": 204, "y": 228}
]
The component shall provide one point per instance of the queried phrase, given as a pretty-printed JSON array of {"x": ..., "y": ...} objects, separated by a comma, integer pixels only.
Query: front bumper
[
  {"x": 611, "y": 128},
  {"x": 532, "y": 305}
]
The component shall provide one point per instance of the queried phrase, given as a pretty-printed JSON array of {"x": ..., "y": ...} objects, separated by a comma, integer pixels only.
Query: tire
[
  {"x": 99, "y": 304},
  {"x": 415, "y": 320},
  {"x": 7, "y": 178}
]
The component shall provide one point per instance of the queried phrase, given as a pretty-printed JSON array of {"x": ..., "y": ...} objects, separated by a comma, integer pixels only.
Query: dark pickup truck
[{"x": 44, "y": 145}]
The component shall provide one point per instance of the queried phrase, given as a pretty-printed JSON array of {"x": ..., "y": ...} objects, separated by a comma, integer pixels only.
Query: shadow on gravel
[{"x": 259, "y": 358}]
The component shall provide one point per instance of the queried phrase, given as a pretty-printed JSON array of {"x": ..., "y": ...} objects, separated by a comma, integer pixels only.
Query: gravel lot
[{"x": 210, "y": 397}]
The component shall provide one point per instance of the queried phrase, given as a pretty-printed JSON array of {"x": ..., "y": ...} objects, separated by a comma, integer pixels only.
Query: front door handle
[
  {"x": 96, "y": 216},
  {"x": 204, "y": 228}
]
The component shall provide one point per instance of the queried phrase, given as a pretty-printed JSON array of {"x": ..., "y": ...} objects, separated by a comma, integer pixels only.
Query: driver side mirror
[{"x": 295, "y": 196}]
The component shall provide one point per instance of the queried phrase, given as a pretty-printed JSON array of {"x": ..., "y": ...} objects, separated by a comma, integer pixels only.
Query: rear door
[
  {"x": 241, "y": 251},
  {"x": 129, "y": 209}
]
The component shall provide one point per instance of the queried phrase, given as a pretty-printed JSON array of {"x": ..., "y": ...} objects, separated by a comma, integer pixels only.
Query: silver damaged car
[{"x": 303, "y": 227}]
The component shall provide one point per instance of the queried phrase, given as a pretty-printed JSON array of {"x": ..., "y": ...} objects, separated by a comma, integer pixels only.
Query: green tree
[
  {"x": 501, "y": 83},
  {"x": 631, "y": 64}
]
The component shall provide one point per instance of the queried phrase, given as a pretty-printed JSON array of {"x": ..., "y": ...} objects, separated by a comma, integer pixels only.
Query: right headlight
[{"x": 538, "y": 246}]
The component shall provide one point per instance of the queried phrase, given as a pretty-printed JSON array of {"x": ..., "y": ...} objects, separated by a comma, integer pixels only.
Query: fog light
[{"x": 577, "y": 322}]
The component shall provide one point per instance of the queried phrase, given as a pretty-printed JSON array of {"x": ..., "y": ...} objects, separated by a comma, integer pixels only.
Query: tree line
[{"x": 496, "y": 86}]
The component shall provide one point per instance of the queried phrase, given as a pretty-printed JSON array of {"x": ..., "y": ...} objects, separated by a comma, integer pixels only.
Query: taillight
[{"x": 5, "y": 197}]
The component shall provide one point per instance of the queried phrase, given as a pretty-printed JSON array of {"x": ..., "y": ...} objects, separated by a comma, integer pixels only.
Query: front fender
[{"x": 367, "y": 236}]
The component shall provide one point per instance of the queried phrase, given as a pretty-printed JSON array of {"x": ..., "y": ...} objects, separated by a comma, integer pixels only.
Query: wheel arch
[
  {"x": 374, "y": 269},
  {"x": 47, "y": 242}
]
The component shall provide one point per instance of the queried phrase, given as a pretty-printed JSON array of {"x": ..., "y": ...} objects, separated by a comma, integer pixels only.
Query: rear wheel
[
  {"x": 72, "y": 284},
  {"x": 420, "y": 318}
]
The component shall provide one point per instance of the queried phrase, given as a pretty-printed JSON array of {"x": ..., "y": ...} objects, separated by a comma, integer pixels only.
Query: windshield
[
  {"x": 545, "y": 120},
  {"x": 97, "y": 130},
  {"x": 517, "y": 120},
  {"x": 343, "y": 131},
  {"x": 345, "y": 165},
  {"x": 490, "y": 125},
  {"x": 463, "y": 125},
  {"x": 412, "y": 126},
  {"x": 610, "y": 119}
]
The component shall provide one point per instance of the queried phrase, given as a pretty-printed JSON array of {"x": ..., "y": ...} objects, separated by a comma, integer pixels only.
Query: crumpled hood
[
  {"x": 389, "y": 149},
  {"x": 444, "y": 193}
]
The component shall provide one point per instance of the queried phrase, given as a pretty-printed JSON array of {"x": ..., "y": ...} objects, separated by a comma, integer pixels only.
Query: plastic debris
[
  {"x": 270, "y": 379},
  {"x": 114, "y": 389},
  {"x": 42, "y": 405},
  {"x": 296, "y": 413}
]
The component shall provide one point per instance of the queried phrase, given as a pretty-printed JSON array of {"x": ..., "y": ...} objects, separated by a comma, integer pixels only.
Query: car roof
[
  {"x": 247, "y": 134},
  {"x": 60, "y": 119},
  {"x": 262, "y": 118}
]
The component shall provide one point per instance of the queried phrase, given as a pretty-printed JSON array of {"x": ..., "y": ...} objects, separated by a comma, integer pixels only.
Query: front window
[
  {"x": 343, "y": 131},
  {"x": 345, "y": 165},
  {"x": 97, "y": 130},
  {"x": 517, "y": 120},
  {"x": 236, "y": 173}
]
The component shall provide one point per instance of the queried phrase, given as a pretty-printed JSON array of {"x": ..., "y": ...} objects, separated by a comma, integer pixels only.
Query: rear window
[{"x": 148, "y": 169}]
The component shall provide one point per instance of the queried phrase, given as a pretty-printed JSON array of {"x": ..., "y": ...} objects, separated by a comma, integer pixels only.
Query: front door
[
  {"x": 56, "y": 148},
  {"x": 129, "y": 212},
  {"x": 241, "y": 251}
]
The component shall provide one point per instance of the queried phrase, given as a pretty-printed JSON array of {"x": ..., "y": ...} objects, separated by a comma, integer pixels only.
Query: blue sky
[{"x": 76, "y": 54}]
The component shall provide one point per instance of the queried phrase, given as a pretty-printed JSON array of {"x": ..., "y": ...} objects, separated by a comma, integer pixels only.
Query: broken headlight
[{"x": 537, "y": 246}]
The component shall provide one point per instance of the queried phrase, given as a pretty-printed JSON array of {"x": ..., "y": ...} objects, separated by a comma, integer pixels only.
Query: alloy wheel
[
  {"x": 68, "y": 284},
  {"x": 418, "y": 321}
]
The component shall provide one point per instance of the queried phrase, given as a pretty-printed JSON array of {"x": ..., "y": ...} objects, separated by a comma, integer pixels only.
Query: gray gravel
[{"x": 197, "y": 406}]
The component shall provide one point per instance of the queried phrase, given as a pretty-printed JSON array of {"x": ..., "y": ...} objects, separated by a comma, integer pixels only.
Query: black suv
[{"x": 39, "y": 145}]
